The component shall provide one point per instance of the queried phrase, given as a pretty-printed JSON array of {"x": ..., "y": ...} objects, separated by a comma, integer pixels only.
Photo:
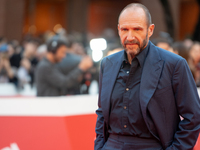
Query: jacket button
[
  {"x": 125, "y": 126},
  {"x": 124, "y": 107},
  {"x": 127, "y": 89}
]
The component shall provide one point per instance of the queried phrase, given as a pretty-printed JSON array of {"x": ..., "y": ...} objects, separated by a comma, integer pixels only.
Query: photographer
[{"x": 49, "y": 79}]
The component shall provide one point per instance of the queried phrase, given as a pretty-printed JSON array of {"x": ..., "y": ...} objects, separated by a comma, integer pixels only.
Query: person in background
[
  {"x": 50, "y": 81},
  {"x": 188, "y": 43},
  {"x": 75, "y": 53},
  {"x": 29, "y": 53},
  {"x": 23, "y": 73},
  {"x": 41, "y": 52},
  {"x": 143, "y": 91},
  {"x": 7, "y": 74},
  {"x": 164, "y": 43},
  {"x": 194, "y": 59},
  {"x": 181, "y": 49},
  {"x": 15, "y": 53},
  {"x": 68, "y": 64}
]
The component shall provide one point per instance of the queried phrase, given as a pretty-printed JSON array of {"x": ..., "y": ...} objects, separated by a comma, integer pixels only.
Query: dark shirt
[{"x": 125, "y": 115}]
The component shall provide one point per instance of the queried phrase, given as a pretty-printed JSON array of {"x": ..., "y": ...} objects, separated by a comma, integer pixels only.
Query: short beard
[{"x": 138, "y": 50}]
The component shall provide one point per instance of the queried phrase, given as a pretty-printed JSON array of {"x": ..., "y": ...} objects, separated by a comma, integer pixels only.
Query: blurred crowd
[{"x": 18, "y": 60}]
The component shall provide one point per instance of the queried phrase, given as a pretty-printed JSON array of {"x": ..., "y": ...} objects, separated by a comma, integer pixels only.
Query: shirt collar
[{"x": 140, "y": 57}]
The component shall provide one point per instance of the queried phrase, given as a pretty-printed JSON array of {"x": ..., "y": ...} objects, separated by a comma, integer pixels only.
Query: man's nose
[{"x": 130, "y": 36}]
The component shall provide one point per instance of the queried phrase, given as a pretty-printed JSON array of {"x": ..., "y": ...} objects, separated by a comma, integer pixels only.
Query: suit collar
[
  {"x": 150, "y": 77},
  {"x": 111, "y": 69}
]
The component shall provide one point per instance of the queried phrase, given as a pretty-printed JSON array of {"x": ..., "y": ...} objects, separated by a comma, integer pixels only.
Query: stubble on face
[{"x": 132, "y": 50}]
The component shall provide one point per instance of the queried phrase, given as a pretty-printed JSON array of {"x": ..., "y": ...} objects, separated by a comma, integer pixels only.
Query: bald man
[{"x": 144, "y": 91}]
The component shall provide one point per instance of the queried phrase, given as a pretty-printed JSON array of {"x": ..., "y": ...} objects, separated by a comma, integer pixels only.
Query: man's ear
[{"x": 150, "y": 30}]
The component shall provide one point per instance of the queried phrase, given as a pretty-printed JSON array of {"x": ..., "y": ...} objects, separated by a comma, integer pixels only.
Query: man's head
[
  {"x": 164, "y": 43},
  {"x": 135, "y": 28},
  {"x": 57, "y": 49}
]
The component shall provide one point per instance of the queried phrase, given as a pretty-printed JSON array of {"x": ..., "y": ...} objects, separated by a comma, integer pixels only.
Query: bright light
[
  {"x": 97, "y": 55},
  {"x": 98, "y": 44}
]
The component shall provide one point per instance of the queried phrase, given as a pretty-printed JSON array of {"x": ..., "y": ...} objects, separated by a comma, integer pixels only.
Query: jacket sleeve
[
  {"x": 99, "y": 142},
  {"x": 188, "y": 106}
]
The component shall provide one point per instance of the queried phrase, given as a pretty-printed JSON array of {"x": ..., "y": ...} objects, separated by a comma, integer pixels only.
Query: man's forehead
[
  {"x": 135, "y": 15},
  {"x": 132, "y": 12}
]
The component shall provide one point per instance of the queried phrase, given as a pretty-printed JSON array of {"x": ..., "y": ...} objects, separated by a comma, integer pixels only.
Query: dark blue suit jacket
[{"x": 167, "y": 91}]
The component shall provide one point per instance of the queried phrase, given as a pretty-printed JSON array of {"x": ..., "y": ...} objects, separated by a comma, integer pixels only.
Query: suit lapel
[
  {"x": 150, "y": 77},
  {"x": 111, "y": 70}
]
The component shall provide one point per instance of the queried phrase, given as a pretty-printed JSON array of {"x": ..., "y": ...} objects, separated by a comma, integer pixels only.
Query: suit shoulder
[
  {"x": 171, "y": 60},
  {"x": 111, "y": 58},
  {"x": 169, "y": 56},
  {"x": 114, "y": 56}
]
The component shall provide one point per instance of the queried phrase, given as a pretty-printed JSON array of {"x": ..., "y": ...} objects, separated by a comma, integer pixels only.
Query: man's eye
[{"x": 124, "y": 29}]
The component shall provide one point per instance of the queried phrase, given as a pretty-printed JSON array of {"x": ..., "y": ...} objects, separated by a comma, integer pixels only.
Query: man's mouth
[{"x": 132, "y": 44}]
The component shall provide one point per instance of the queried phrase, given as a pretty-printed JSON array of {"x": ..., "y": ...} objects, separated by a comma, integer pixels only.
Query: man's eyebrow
[
  {"x": 137, "y": 27},
  {"x": 123, "y": 27}
]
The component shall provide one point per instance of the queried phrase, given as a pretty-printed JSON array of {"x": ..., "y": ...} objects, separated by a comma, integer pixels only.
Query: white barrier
[{"x": 48, "y": 106}]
